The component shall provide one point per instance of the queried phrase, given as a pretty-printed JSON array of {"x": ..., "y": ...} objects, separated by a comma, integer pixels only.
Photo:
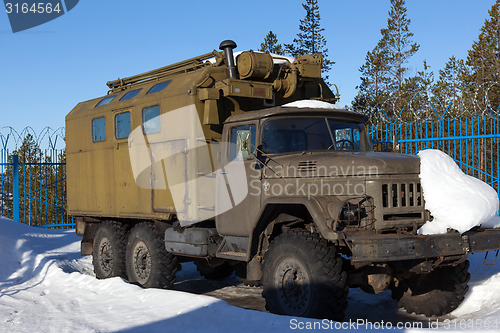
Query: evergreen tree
[
  {"x": 271, "y": 44},
  {"x": 372, "y": 93},
  {"x": 5, "y": 192},
  {"x": 383, "y": 80},
  {"x": 310, "y": 39},
  {"x": 29, "y": 151},
  {"x": 396, "y": 40},
  {"x": 468, "y": 91},
  {"x": 449, "y": 88},
  {"x": 484, "y": 61},
  {"x": 30, "y": 179},
  {"x": 58, "y": 177},
  {"x": 425, "y": 80},
  {"x": 416, "y": 92}
]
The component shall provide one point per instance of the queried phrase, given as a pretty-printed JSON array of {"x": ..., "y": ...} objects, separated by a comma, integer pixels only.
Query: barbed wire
[
  {"x": 47, "y": 139},
  {"x": 480, "y": 104}
]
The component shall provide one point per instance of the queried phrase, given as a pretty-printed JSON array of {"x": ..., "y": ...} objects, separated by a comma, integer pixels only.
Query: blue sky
[{"x": 47, "y": 70}]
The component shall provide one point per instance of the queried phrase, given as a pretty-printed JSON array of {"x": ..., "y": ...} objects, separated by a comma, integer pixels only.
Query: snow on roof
[
  {"x": 455, "y": 200},
  {"x": 277, "y": 59},
  {"x": 312, "y": 104},
  {"x": 280, "y": 59}
]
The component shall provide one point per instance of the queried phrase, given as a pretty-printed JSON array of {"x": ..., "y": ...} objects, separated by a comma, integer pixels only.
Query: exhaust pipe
[{"x": 228, "y": 46}]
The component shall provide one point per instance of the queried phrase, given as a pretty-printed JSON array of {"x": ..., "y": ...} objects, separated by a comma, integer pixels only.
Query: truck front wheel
[
  {"x": 303, "y": 276},
  {"x": 148, "y": 262},
  {"x": 108, "y": 250},
  {"x": 434, "y": 294}
]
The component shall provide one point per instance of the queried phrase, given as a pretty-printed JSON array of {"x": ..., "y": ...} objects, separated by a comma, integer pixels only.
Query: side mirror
[{"x": 243, "y": 144}]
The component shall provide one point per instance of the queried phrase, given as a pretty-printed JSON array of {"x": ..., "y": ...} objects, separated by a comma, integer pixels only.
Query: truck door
[
  {"x": 238, "y": 193},
  {"x": 170, "y": 166},
  {"x": 125, "y": 193}
]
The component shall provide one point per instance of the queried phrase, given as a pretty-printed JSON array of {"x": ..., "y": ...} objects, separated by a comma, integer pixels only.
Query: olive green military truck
[{"x": 206, "y": 160}]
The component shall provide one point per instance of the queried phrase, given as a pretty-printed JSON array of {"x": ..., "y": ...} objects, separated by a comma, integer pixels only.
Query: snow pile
[
  {"x": 455, "y": 200},
  {"x": 313, "y": 104}
]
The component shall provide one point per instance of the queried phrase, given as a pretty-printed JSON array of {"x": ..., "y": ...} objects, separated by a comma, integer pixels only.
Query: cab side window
[
  {"x": 242, "y": 142},
  {"x": 99, "y": 129}
]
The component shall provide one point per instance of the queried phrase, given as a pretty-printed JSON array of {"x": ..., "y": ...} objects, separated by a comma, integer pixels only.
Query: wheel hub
[
  {"x": 293, "y": 285},
  {"x": 106, "y": 255},
  {"x": 142, "y": 262}
]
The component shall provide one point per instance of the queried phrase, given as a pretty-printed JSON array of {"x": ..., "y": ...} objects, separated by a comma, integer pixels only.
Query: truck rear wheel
[
  {"x": 148, "y": 262},
  {"x": 434, "y": 294},
  {"x": 213, "y": 272},
  {"x": 108, "y": 250},
  {"x": 303, "y": 276}
]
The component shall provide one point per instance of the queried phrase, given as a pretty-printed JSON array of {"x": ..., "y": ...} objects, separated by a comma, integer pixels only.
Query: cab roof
[{"x": 296, "y": 111}]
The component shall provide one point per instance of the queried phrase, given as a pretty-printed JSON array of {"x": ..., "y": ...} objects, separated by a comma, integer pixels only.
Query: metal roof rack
[{"x": 179, "y": 67}]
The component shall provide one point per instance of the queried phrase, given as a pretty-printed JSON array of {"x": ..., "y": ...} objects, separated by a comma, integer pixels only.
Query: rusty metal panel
[
  {"x": 486, "y": 240},
  {"x": 381, "y": 249}
]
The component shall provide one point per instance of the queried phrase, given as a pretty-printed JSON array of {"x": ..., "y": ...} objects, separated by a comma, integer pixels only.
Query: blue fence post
[{"x": 15, "y": 186}]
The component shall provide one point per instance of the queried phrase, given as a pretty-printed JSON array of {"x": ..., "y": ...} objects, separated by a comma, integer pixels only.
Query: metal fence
[
  {"x": 32, "y": 179},
  {"x": 473, "y": 142}
]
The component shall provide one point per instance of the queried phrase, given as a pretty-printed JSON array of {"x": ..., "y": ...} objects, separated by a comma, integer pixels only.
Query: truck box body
[{"x": 159, "y": 167}]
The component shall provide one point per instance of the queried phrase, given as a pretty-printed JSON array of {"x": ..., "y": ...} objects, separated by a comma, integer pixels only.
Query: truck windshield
[{"x": 313, "y": 134}]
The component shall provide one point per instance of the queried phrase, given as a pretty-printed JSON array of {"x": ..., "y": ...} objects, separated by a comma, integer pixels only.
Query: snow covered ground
[{"x": 45, "y": 286}]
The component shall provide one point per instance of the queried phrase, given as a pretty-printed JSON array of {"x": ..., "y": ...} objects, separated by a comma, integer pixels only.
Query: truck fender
[{"x": 319, "y": 208}]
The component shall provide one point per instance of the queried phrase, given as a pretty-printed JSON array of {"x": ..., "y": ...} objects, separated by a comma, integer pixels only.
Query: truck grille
[{"x": 396, "y": 195}]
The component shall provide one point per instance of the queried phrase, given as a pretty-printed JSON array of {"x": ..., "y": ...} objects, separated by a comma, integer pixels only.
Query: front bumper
[{"x": 384, "y": 248}]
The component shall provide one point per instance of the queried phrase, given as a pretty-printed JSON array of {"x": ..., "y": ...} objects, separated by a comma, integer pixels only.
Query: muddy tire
[
  {"x": 303, "y": 276},
  {"x": 213, "y": 272},
  {"x": 108, "y": 250},
  {"x": 434, "y": 294},
  {"x": 148, "y": 262}
]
